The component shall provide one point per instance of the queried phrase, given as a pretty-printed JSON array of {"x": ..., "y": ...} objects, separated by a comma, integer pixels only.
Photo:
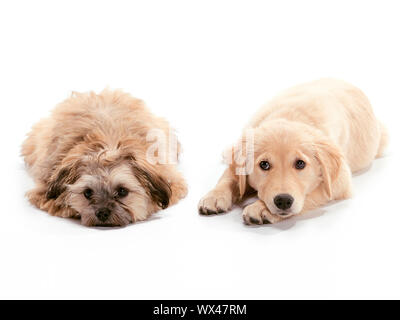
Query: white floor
[
  {"x": 206, "y": 68},
  {"x": 346, "y": 250}
]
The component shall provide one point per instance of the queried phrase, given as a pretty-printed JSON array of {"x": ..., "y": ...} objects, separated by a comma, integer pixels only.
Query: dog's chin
[
  {"x": 283, "y": 213},
  {"x": 113, "y": 221}
]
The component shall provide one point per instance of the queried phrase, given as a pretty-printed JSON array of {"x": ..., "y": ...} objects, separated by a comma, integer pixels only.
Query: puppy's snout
[
  {"x": 103, "y": 213},
  {"x": 283, "y": 201}
]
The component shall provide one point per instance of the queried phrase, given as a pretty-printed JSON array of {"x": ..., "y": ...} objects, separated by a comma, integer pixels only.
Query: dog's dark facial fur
[
  {"x": 100, "y": 141},
  {"x": 145, "y": 190},
  {"x": 66, "y": 175},
  {"x": 157, "y": 188}
]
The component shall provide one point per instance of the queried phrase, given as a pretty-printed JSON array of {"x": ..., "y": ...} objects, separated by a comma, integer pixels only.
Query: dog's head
[
  {"x": 110, "y": 188},
  {"x": 290, "y": 161}
]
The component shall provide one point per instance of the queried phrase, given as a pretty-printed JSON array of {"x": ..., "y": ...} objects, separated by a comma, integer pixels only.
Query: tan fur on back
[
  {"x": 341, "y": 111},
  {"x": 96, "y": 131},
  {"x": 328, "y": 124}
]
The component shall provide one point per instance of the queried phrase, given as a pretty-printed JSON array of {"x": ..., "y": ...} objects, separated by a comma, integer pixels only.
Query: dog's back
[
  {"x": 110, "y": 116},
  {"x": 340, "y": 110}
]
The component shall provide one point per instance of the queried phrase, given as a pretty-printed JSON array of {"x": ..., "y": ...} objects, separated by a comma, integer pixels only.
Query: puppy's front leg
[
  {"x": 258, "y": 213},
  {"x": 222, "y": 197}
]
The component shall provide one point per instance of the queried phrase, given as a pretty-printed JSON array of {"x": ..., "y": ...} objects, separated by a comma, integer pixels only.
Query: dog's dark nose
[
  {"x": 283, "y": 201},
  {"x": 103, "y": 213}
]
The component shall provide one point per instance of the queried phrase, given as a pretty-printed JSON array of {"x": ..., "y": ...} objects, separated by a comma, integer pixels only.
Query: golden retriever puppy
[
  {"x": 298, "y": 152},
  {"x": 95, "y": 158}
]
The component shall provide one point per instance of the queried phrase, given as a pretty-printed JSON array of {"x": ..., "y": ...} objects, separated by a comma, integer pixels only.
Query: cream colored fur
[{"x": 327, "y": 123}]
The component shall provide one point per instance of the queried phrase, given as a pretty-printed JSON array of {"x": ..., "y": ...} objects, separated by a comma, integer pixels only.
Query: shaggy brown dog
[
  {"x": 305, "y": 144},
  {"x": 90, "y": 160}
]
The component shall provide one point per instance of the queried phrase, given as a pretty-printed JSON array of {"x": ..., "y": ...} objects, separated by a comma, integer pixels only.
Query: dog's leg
[
  {"x": 315, "y": 199},
  {"x": 383, "y": 141},
  {"x": 258, "y": 213},
  {"x": 222, "y": 197}
]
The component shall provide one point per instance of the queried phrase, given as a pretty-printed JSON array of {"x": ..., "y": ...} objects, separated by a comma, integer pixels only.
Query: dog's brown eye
[
  {"x": 265, "y": 165},
  {"x": 300, "y": 164},
  {"x": 122, "y": 192},
  {"x": 88, "y": 193}
]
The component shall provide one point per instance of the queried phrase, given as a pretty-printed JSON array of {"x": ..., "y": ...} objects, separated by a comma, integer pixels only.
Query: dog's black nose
[
  {"x": 103, "y": 214},
  {"x": 283, "y": 201}
]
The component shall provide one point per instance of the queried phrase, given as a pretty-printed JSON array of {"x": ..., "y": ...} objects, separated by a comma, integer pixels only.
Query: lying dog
[
  {"x": 89, "y": 160},
  {"x": 305, "y": 144}
]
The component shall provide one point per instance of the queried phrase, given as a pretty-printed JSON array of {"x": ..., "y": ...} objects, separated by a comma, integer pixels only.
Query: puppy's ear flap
[
  {"x": 156, "y": 186},
  {"x": 67, "y": 174},
  {"x": 331, "y": 159}
]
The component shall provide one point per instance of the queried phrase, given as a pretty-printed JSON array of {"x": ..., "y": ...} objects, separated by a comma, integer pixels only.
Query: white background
[{"x": 206, "y": 66}]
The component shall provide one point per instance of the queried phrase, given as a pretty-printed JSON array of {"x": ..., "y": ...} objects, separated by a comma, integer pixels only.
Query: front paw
[
  {"x": 215, "y": 202},
  {"x": 257, "y": 213}
]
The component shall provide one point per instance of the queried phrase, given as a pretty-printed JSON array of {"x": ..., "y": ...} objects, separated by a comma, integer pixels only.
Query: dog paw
[
  {"x": 215, "y": 202},
  {"x": 257, "y": 213}
]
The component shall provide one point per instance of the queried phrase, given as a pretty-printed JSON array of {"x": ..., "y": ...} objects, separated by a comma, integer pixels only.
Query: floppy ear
[
  {"x": 331, "y": 160},
  {"x": 65, "y": 175},
  {"x": 156, "y": 186}
]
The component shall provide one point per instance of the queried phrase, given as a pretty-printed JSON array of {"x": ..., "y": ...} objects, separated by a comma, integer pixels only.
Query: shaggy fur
[
  {"x": 328, "y": 124},
  {"x": 97, "y": 142}
]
